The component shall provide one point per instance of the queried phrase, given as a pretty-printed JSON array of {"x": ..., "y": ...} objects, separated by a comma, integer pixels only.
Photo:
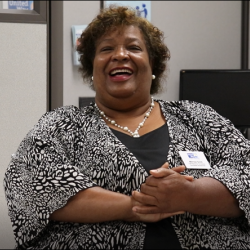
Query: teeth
[{"x": 120, "y": 71}]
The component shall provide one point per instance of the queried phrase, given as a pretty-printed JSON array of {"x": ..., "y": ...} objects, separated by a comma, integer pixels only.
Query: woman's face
[{"x": 122, "y": 68}]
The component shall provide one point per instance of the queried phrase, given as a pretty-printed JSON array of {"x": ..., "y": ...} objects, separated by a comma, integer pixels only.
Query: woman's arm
[
  {"x": 96, "y": 204},
  {"x": 167, "y": 191},
  {"x": 213, "y": 198}
]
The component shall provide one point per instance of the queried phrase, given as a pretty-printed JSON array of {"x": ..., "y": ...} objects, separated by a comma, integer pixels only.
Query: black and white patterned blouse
[{"x": 71, "y": 149}]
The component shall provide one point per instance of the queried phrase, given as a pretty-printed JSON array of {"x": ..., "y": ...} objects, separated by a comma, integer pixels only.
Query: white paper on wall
[{"x": 76, "y": 33}]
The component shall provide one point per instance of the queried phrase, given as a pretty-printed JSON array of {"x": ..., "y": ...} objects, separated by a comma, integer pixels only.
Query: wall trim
[{"x": 244, "y": 34}]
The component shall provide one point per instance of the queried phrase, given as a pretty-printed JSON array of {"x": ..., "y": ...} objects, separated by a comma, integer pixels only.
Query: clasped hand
[{"x": 164, "y": 194}]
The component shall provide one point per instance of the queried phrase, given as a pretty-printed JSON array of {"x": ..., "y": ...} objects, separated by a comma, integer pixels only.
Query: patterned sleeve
[
  {"x": 41, "y": 176},
  {"x": 229, "y": 153}
]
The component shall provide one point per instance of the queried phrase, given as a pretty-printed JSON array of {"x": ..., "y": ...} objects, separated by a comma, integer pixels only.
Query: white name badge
[{"x": 194, "y": 160}]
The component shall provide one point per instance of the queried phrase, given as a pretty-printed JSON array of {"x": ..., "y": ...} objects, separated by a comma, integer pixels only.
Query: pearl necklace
[{"x": 135, "y": 133}]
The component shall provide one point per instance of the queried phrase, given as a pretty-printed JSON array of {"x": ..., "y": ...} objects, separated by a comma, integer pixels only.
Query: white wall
[
  {"x": 75, "y": 13},
  {"x": 23, "y": 81},
  {"x": 199, "y": 34}
]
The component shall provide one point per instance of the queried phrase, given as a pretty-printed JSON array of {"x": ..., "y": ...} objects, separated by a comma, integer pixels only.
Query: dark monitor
[{"x": 226, "y": 91}]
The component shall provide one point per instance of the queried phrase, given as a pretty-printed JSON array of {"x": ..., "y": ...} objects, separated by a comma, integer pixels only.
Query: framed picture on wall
[
  {"x": 143, "y": 8},
  {"x": 24, "y": 11},
  {"x": 18, "y": 5}
]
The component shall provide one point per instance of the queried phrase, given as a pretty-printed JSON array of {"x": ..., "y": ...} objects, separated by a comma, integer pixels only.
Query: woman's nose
[{"x": 120, "y": 53}]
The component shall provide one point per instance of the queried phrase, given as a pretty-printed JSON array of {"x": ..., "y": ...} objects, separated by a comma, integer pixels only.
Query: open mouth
[{"x": 117, "y": 72}]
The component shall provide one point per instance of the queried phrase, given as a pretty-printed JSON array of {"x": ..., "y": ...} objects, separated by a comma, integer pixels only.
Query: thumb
[
  {"x": 180, "y": 169},
  {"x": 160, "y": 172}
]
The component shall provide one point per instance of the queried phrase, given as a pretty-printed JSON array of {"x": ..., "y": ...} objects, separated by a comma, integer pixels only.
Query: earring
[
  {"x": 92, "y": 78},
  {"x": 153, "y": 77}
]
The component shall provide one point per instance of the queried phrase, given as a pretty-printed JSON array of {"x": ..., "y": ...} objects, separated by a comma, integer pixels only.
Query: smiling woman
[
  {"x": 149, "y": 36},
  {"x": 74, "y": 182},
  {"x": 122, "y": 67}
]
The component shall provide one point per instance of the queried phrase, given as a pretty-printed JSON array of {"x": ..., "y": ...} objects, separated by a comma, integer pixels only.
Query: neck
[
  {"x": 123, "y": 109},
  {"x": 129, "y": 121}
]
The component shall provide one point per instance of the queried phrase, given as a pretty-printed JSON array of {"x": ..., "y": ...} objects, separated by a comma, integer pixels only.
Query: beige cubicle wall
[
  {"x": 23, "y": 96},
  {"x": 24, "y": 88}
]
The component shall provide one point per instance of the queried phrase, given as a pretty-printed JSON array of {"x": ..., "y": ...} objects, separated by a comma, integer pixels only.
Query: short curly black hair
[{"x": 116, "y": 16}]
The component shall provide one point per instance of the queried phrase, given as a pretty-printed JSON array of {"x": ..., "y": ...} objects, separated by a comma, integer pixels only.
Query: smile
[{"x": 121, "y": 72}]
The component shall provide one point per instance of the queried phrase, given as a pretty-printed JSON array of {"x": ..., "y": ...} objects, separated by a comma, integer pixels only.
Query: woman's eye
[
  {"x": 135, "y": 48},
  {"x": 106, "y": 49}
]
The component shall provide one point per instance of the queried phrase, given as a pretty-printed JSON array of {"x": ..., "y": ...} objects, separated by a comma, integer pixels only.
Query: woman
[{"x": 110, "y": 175}]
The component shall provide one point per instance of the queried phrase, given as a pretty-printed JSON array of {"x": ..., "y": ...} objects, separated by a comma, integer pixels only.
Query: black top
[{"x": 151, "y": 151}]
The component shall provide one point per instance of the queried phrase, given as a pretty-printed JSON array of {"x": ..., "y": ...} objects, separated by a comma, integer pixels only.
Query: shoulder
[
  {"x": 194, "y": 114},
  {"x": 61, "y": 114},
  {"x": 66, "y": 118},
  {"x": 66, "y": 113},
  {"x": 182, "y": 104},
  {"x": 186, "y": 107}
]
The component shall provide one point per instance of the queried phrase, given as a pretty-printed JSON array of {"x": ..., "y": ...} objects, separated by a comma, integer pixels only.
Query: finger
[
  {"x": 179, "y": 169},
  {"x": 164, "y": 166},
  {"x": 153, "y": 210},
  {"x": 146, "y": 209},
  {"x": 160, "y": 172},
  {"x": 144, "y": 198},
  {"x": 153, "y": 181},
  {"x": 166, "y": 215},
  {"x": 155, "y": 217},
  {"x": 188, "y": 177},
  {"x": 156, "y": 171},
  {"x": 151, "y": 188},
  {"x": 163, "y": 172}
]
